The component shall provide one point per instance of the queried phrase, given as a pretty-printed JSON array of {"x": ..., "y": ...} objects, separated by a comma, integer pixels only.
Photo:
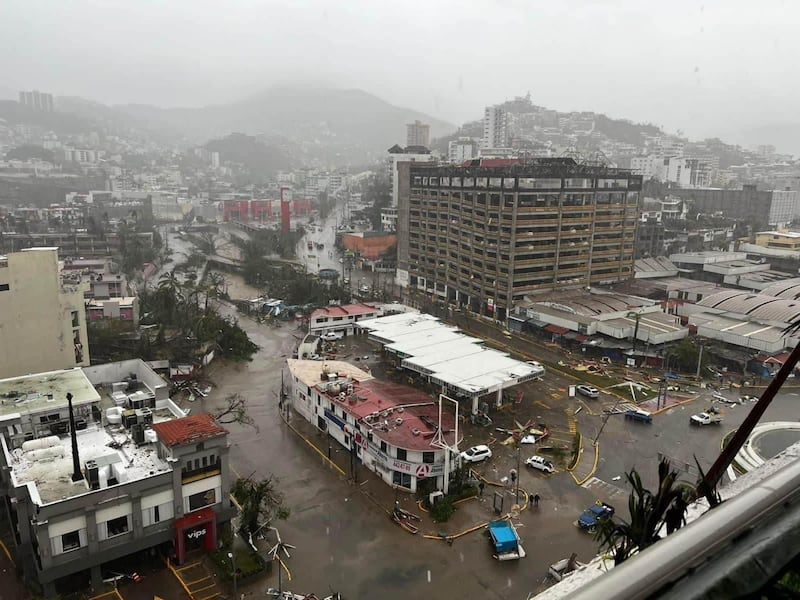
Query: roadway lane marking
[
  {"x": 429, "y": 575},
  {"x": 595, "y": 484}
]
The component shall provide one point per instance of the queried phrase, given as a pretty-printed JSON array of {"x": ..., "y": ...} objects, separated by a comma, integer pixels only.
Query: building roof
[
  {"x": 44, "y": 392},
  {"x": 188, "y": 430},
  {"x": 584, "y": 304},
  {"x": 397, "y": 414},
  {"x": 756, "y": 306},
  {"x": 655, "y": 265},
  {"x": 789, "y": 289},
  {"x": 121, "y": 300},
  {"x": 344, "y": 310},
  {"x": 310, "y": 371},
  {"x": 730, "y": 329},
  {"x": 786, "y": 234},
  {"x": 460, "y": 364},
  {"x": 50, "y": 477}
]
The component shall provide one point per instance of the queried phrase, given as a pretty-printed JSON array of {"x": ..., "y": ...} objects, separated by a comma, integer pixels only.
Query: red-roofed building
[
  {"x": 188, "y": 430},
  {"x": 341, "y": 318},
  {"x": 197, "y": 447},
  {"x": 390, "y": 427}
]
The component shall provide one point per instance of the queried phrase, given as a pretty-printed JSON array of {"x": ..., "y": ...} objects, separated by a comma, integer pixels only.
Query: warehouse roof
[{"x": 757, "y": 306}]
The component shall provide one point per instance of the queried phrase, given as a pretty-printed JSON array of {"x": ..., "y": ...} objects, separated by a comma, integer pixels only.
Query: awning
[
  {"x": 536, "y": 323},
  {"x": 556, "y": 329}
]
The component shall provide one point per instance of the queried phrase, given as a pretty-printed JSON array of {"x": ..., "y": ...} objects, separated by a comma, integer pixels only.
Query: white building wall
[
  {"x": 377, "y": 455},
  {"x": 495, "y": 128},
  {"x": 461, "y": 149},
  {"x": 37, "y": 313},
  {"x": 394, "y": 159}
]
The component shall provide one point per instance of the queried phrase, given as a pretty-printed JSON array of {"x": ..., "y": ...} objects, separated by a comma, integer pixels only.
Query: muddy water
[{"x": 343, "y": 540}]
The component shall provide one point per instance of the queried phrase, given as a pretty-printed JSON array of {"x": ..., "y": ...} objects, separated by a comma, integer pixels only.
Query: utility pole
[
  {"x": 700, "y": 361},
  {"x": 518, "y": 472}
]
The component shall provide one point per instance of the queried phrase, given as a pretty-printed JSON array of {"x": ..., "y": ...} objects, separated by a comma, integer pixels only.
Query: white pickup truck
[
  {"x": 705, "y": 418},
  {"x": 332, "y": 336}
]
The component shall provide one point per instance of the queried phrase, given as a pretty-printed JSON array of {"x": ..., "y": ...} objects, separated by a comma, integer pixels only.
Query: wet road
[
  {"x": 328, "y": 258},
  {"x": 628, "y": 444},
  {"x": 344, "y": 541}
]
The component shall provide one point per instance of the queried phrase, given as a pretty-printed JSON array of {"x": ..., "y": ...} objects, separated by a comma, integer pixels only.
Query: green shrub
[
  {"x": 247, "y": 564},
  {"x": 468, "y": 491},
  {"x": 443, "y": 510}
]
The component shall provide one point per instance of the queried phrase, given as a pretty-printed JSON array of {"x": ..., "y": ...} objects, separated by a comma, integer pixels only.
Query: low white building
[
  {"x": 391, "y": 428},
  {"x": 343, "y": 318}
]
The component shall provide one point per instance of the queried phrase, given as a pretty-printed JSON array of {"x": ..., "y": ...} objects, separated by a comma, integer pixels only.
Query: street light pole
[
  {"x": 699, "y": 360},
  {"x": 518, "y": 471},
  {"x": 232, "y": 556}
]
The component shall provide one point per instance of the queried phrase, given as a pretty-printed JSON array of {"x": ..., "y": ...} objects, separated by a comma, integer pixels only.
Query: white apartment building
[
  {"x": 495, "y": 128},
  {"x": 389, "y": 219},
  {"x": 418, "y": 134},
  {"x": 649, "y": 167},
  {"x": 80, "y": 155},
  {"x": 399, "y": 155},
  {"x": 464, "y": 148},
  {"x": 341, "y": 318},
  {"x": 42, "y": 320},
  {"x": 673, "y": 208}
]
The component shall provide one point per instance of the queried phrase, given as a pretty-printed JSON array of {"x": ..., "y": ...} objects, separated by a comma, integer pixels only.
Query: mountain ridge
[{"x": 350, "y": 118}]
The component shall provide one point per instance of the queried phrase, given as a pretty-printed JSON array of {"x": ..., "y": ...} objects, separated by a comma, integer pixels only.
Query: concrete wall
[
  {"x": 36, "y": 316},
  {"x": 114, "y": 372}
]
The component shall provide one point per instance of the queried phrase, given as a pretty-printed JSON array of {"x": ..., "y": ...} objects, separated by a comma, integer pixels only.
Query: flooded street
[{"x": 347, "y": 542}]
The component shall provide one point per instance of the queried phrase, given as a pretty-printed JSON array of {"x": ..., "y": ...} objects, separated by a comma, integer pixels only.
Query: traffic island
[{"x": 585, "y": 462}]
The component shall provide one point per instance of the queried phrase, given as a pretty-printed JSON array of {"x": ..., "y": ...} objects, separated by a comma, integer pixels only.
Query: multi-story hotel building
[{"x": 486, "y": 235}]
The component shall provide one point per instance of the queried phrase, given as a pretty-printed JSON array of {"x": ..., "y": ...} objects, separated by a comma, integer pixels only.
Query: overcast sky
[{"x": 708, "y": 69}]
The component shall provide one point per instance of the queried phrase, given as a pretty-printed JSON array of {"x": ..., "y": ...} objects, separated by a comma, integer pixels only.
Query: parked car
[
  {"x": 589, "y": 391},
  {"x": 541, "y": 463},
  {"x": 639, "y": 415},
  {"x": 332, "y": 336},
  {"x": 538, "y": 368},
  {"x": 593, "y": 515},
  {"x": 476, "y": 454}
]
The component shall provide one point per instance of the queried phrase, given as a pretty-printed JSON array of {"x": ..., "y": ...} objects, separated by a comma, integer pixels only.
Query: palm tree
[
  {"x": 649, "y": 511},
  {"x": 170, "y": 281}
]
